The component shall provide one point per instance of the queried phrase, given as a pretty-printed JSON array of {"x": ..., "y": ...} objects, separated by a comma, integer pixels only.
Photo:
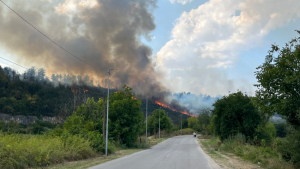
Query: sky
[
  {"x": 209, "y": 47},
  {"x": 224, "y": 40}
]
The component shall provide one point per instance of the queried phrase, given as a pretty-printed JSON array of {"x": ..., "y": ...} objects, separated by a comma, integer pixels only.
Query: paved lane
[{"x": 181, "y": 152}]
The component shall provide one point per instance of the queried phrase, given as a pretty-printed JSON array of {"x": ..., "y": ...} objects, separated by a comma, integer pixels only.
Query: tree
[
  {"x": 41, "y": 74},
  {"x": 279, "y": 82},
  {"x": 125, "y": 116},
  {"x": 204, "y": 119},
  {"x": 192, "y": 121},
  {"x": 153, "y": 121},
  {"x": 91, "y": 110},
  {"x": 235, "y": 114}
]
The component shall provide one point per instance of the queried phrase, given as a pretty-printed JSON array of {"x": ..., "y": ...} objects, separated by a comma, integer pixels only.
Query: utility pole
[
  {"x": 103, "y": 124},
  {"x": 181, "y": 124},
  {"x": 159, "y": 122},
  {"x": 146, "y": 116},
  {"x": 106, "y": 141}
]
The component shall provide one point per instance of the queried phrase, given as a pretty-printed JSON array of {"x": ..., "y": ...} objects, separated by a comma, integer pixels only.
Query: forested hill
[{"x": 33, "y": 94}]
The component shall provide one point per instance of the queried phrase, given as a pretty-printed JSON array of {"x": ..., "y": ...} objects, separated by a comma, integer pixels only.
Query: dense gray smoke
[{"x": 104, "y": 33}]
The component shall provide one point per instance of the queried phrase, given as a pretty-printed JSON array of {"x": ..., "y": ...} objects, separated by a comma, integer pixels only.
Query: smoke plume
[{"x": 104, "y": 33}]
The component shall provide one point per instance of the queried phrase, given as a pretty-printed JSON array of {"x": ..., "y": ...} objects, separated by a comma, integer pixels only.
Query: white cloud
[
  {"x": 183, "y": 2},
  {"x": 209, "y": 39},
  {"x": 71, "y": 6}
]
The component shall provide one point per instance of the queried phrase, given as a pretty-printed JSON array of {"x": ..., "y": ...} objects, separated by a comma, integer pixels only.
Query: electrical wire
[{"x": 44, "y": 34}]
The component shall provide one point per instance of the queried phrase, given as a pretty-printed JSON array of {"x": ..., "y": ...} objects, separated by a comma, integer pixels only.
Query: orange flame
[{"x": 182, "y": 112}]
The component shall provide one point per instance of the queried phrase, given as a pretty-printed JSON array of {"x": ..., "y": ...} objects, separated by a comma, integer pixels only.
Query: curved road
[{"x": 181, "y": 152}]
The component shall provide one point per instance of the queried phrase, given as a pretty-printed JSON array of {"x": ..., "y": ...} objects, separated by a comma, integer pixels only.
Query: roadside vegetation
[
  {"x": 242, "y": 125},
  {"x": 82, "y": 135}
]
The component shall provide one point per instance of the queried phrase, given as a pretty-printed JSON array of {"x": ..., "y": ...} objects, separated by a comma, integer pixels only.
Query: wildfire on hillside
[{"x": 166, "y": 106}]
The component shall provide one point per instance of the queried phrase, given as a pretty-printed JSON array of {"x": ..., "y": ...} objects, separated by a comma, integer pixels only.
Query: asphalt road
[{"x": 181, "y": 152}]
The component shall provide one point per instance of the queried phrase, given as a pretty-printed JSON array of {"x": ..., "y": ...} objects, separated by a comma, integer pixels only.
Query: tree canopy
[
  {"x": 153, "y": 121},
  {"x": 125, "y": 115},
  {"x": 279, "y": 82},
  {"x": 235, "y": 114}
]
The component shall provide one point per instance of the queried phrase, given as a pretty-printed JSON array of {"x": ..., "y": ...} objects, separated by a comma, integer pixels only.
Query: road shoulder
[
  {"x": 211, "y": 162},
  {"x": 225, "y": 160}
]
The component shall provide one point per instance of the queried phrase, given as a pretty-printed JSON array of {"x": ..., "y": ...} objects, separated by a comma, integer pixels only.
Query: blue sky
[
  {"x": 165, "y": 15},
  {"x": 203, "y": 47},
  {"x": 241, "y": 70}
]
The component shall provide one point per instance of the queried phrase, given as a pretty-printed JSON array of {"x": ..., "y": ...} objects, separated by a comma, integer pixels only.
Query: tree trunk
[{"x": 104, "y": 118}]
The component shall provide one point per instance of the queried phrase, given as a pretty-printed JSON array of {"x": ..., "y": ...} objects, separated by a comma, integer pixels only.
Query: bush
[
  {"x": 264, "y": 155},
  {"x": 281, "y": 129},
  {"x": 98, "y": 144},
  {"x": 290, "y": 147},
  {"x": 266, "y": 134},
  {"x": 235, "y": 114},
  {"x": 23, "y": 151},
  {"x": 186, "y": 131}
]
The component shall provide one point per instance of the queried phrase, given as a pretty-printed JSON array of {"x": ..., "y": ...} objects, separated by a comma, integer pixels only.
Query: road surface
[{"x": 181, "y": 152}]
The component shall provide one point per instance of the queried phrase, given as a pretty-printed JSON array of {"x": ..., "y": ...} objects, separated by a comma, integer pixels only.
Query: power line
[
  {"x": 48, "y": 39},
  {"x": 13, "y": 62},
  {"x": 44, "y": 34}
]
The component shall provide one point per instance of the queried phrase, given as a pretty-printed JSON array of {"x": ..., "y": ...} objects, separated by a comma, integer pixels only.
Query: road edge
[{"x": 212, "y": 164}]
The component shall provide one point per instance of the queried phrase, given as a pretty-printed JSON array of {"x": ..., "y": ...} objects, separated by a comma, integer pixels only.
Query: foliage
[
  {"x": 184, "y": 124},
  {"x": 265, "y": 133},
  {"x": 279, "y": 82},
  {"x": 20, "y": 151},
  {"x": 153, "y": 121},
  {"x": 238, "y": 146},
  {"x": 193, "y": 123},
  {"x": 11, "y": 127},
  {"x": 235, "y": 114},
  {"x": 290, "y": 147},
  {"x": 204, "y": 120},
  {"x": 126, "y": 117},
  {"x": 186, "y": 131},
  {"x": 281, "y": 129}
]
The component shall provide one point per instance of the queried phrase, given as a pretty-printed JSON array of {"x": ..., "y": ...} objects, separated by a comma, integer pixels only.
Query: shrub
[
  {"x": 186, "y": 131},
  {"x": 290, "y": 147},
  {"x": 22, "y": 151}
]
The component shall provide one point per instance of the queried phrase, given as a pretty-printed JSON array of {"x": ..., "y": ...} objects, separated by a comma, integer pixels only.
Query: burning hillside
[{"x": 173, "y": 109}]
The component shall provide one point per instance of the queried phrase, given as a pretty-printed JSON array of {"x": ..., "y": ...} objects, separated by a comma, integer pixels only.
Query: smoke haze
[{"x": 104, "y": 33}]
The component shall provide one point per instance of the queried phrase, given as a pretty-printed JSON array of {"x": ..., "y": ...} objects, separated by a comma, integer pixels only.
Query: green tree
[
  {"x": 235, "y": 114},
  {"x": 125, "y": 115},
  {"x": 266, "y": 132},
  {"x": 91, "y": 110},
  {"x": 192, "y": 121},
  {"x": 204, "y": 119},
  {"x": 153, "y": 121},
  {"x": 279, "y": 82}
]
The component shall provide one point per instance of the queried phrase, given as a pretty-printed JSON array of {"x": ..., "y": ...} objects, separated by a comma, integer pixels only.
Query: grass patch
[
  {"x": 266, "y": 157},
  {"x": 82, "y": 164},
  {"x": 24, "y": 151},
  {"x": 122, "y": 151}
]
